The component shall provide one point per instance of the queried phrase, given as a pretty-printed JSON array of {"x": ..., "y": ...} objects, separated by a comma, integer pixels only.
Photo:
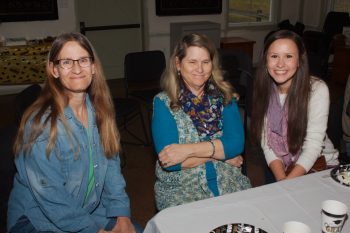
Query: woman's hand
[
  {"x": 236, "y": 161},
  {"x": 173, "y": 154},
  {"x": 277, "y": 169},
  {"x": 123, "y": 225},
  {"x": 296, "y": 172}
]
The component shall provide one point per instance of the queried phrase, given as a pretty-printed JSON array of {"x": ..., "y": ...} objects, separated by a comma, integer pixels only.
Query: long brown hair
[
  {"x": 170, "y": 83},
  {"x": 297, "y": 97},
  {"x": 52, "y": 101}
]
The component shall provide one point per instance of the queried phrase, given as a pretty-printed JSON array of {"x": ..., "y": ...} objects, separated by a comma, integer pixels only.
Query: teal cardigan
[{"x": 170, "y": 127}]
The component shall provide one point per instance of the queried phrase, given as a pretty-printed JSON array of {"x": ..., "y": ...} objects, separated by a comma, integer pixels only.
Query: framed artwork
[
  {"x": 188, "y": 7},
  {"x": 28, "y": 10}
]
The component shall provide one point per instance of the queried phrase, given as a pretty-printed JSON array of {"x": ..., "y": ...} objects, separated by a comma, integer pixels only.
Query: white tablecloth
[{"x": 267, "y": 207}]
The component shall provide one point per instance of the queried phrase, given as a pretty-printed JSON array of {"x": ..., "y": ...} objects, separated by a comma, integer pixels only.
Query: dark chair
[
  {"x": 238, "y": 70},
  {"x": 7, "y": 136},
  {"x": 335, "y": 130},
  {"x": 319, "y": 44},
  {"x": 286, "y": 25},
  {"x": 126, "y": 111},
  {"x": 7, "y": 167},
  {"x": 142, "y": 72},
  {"x": 334, "y": 126},
  {"x": 25, "y": 98},
  {"x": 298, "y": 28}
]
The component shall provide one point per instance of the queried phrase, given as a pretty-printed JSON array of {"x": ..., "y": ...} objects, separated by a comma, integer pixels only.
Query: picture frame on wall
[
  {"x": 188, "y": 7},
  {"x": 28, "y": 10}
]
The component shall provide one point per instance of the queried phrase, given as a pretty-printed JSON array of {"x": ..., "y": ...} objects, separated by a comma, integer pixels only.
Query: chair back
[
  {"x": 25, "y": 98},
  {"x": 334, "y": 23},
  {"x": 334, "y": 124},
  {"x": 141, "y": 69},
  {"x": 238, "y": 70},
  {"x": 319, "y": 45}
]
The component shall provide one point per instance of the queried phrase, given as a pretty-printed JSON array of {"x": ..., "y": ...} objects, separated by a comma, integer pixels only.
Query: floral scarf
[
  {"x": 277, "y": 129},
  {"x": 204, "y": 112}
]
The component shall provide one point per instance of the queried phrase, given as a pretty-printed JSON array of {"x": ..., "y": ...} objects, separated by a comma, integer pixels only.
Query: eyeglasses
[{"x": 69, "y": 63}]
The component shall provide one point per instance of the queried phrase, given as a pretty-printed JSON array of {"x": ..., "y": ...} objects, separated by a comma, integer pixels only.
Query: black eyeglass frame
[{"x": 58, "y": 62}]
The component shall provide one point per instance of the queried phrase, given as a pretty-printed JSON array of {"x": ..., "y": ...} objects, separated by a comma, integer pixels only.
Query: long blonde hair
[
  {"x": 53, "y": 100},
  {"x": 170, "y": 82}
]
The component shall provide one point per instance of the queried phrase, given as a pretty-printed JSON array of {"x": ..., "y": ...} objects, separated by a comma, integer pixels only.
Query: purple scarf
[{"x": 277, "y": 128}]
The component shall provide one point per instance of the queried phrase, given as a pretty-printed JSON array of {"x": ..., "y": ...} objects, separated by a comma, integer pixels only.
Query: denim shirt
[{"x": 50, "y": 191}]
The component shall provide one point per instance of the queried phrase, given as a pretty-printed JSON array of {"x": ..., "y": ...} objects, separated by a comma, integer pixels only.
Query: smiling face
[
  {"x": 282, "y": 63},
  {"x": 195, "y": 68},
  {"x": 76, "y": 79}
]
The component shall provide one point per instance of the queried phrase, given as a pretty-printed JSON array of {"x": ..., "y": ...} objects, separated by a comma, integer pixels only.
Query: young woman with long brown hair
[{"x": 290, "y": 108}]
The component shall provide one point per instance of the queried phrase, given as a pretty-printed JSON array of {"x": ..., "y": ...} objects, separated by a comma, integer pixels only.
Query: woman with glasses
[{"x": 69, "y": 177}]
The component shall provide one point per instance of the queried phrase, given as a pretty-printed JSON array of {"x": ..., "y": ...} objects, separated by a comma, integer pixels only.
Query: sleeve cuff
[
  {"x": 306, "y": 162},
  {"x": 90, "y": 229},
  {"x": 118, "y": 211},
  {"x": 176, "y": 167}
]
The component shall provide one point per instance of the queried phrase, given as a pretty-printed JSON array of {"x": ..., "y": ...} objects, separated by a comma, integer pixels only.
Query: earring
[
  {"x": 210, "y": 82},
  {"x": 178, "y": 74}
]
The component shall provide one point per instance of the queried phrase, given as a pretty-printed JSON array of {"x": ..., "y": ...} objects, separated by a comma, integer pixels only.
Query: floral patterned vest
[{"x": 188, "y": 185}]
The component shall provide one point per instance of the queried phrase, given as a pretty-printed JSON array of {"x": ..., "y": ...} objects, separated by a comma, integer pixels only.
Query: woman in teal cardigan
[{"x": 196, "y": 128}]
